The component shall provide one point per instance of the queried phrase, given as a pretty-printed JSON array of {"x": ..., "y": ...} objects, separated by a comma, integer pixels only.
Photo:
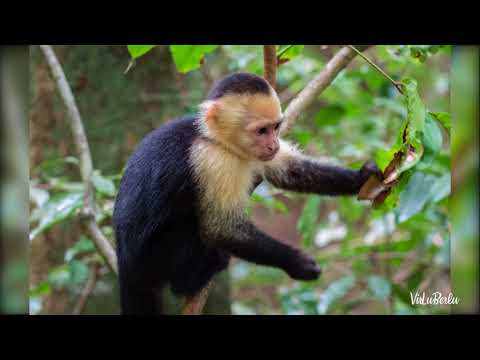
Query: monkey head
[{"x": 243, "y": 114}]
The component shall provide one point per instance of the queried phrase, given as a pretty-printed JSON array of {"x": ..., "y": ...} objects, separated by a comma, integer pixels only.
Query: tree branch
[
  {"x": 87, "y": 290},
  {"x": 270, "y": 64},
  {"x": 318, "y": 85},
  {"x": 195, "y": 304},
  {"x": 86, "y": 168}
]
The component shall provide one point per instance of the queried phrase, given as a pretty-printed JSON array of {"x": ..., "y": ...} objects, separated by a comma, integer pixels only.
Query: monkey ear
[{"x": 211, "y": 111}]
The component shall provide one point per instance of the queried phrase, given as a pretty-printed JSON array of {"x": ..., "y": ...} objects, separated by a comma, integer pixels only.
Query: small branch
[
  {"x": 195, "y": 304},
  {"x": 317, "y": 85},
  {"x": 87, "y": 290},
  {"x": 397, "y": 84},
  {"x": 270, "y": 64},
  {"x": 86, "y": 168}
]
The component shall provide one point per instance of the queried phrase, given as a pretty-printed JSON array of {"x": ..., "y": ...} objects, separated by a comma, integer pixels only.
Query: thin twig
[
  {"x": 397, "y": 84},
  {"x": 104, "y": 246},
  {"x": 317, "y": 85},
  {"x": 87, "y": 290}
]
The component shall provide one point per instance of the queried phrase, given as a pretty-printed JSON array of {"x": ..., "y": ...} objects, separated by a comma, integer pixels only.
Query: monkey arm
[
  {"x": 297, "y": 172},
  {"x": 310, "y": 176},
  {"x": 247, "y": 242}
]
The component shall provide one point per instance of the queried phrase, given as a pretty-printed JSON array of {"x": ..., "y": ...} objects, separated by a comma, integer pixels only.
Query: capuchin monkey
[{"x": 180, "y": 211}]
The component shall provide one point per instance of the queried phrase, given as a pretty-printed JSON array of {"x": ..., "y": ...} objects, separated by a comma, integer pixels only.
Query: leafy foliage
[{"x": 385, "y": 252}]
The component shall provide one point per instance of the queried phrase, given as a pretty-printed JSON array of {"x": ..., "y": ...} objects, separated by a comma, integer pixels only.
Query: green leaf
[
  {"x": 57, "y": 209},
  {"x": 102, "y": 184},
  {"x": 415, "y": 195},
  {"x": 415, "y": 113},
  {"x": 432, "y": 140},
  {"x": 307, "y": 222},
  {"x": 384, "y": 157},
  {"x": 419, "y": 53},
  {"x": 443, "y": 118},
  {"x": 392, "y": 199},
  {"x": 41, "y": 289},
  {"x": 189, "y": 57},
  {"x": 441, "y": 188},
  {"x": 290, "y": 53},
  {"x": 422, "y": 52},
  {"x": 139, "y": 50},
  {"x": 432, "y": 136},
  {"x": 334, "y": 292},
  {"x": 380, "y": 287},
  {"x": 81, "y": 246}
]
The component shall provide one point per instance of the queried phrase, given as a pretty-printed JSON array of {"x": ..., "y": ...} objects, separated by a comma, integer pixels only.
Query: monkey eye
[
  {"x": 262, "y": 131},
  {"x": 277, "y": 126}
]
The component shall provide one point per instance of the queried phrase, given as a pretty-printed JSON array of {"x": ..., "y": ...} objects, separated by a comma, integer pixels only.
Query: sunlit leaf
[
  {"x": 41, "y": 289},
  {"x": 291, "y": 52},
  {"x": 57, "y": 209},
  {"x": 139, "y": 50},
  {"x": 416, "y": 113},
  {"x": 189, "y": 57},
  {"x": 443, "y": 118}
]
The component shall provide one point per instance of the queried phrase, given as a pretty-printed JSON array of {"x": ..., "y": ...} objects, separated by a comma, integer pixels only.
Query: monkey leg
[{"x": 195, "y": 274}]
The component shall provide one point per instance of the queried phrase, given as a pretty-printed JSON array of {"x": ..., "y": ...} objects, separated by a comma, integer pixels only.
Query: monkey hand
[
  {"x": 304, "y": 267},
  {"x": 369, "y": 168}
]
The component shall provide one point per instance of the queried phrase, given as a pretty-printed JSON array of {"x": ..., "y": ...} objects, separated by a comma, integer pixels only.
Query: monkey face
[
  {"x": 264, "y": 138},
  {"x": 246, "y": 124},
  {"x": 263, "y": 125}
]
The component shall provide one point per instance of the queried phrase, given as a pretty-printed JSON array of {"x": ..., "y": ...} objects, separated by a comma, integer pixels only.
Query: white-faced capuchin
[{"x": 179, "y": 214}]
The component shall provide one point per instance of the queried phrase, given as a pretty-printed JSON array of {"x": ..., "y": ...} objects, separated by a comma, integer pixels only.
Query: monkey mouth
[{"x": 268, "y": 157}]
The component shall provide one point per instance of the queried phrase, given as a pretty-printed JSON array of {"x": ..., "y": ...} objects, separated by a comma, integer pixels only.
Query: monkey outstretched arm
[
  {"x": 249, "y": 243},
  {"x": 297, "y": 172}
]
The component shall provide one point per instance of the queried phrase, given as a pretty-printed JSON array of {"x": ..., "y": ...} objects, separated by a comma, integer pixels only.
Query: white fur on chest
[{"x": 225, "y": 179}]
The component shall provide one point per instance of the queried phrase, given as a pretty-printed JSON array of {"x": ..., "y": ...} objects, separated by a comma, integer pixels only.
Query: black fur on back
[
  {"x": 239, "y": 83},
  {"x": 155, "y": 222}
]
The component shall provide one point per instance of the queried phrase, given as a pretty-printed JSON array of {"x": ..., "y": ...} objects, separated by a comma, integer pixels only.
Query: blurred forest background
[{"x": 371, "y": 258}]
